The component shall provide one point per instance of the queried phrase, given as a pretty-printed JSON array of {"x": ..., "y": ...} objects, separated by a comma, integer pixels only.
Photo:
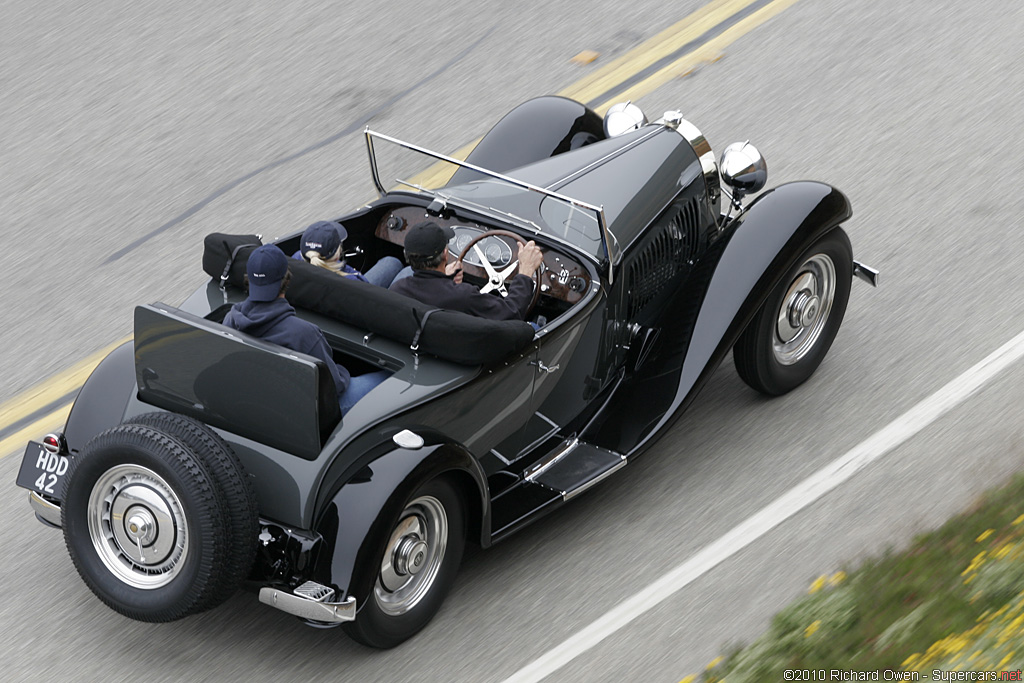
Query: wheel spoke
[
  {"x": 137, "y": 526},
  {"x": 491, "y": 273}
]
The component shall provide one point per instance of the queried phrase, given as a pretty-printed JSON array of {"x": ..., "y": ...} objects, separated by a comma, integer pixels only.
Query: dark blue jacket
[
  {"x": 437, "y": 289},
  {"x": 275, "y": 321}
]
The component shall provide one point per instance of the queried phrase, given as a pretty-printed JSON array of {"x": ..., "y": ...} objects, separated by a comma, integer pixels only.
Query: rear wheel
[
  {"x": 416, "y": 568},
  {"x": 144, "y": 525},
  {"x": 791, "y": 333}
]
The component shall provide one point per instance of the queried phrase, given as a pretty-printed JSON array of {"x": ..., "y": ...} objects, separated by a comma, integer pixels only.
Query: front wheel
[
  {"x": 416, "y": 567},
  {"x": 791, "y": 333}
]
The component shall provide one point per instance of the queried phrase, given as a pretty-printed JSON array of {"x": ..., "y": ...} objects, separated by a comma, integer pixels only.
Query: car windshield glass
[{"x": 398, "y": 165}]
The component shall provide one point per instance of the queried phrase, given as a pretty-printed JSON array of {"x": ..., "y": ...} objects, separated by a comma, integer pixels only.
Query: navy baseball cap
[
  {"x": 427, "y": 239},
  {"x": 266, "y": 269},
  {"x": 323, "y": 237}
]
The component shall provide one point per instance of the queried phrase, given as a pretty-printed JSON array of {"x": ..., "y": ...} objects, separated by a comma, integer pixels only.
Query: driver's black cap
[{"x": 427, "y": 239}]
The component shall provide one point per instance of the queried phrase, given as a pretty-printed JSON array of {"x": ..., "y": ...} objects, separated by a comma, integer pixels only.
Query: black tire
[
  {"x": 775, "y": 356},
  {"x": 233, "y": 488},
  {"x": 134, "y": 473},
  {"x": 385, "y": 619}
]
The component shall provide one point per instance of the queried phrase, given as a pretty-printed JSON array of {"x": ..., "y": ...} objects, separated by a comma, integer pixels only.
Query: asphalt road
[{"x": 128, "y": 131}]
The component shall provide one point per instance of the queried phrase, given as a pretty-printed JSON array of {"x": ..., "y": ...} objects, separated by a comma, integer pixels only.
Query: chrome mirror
[
  {"x": 622, "y": 118},
  {"x": 743, "y": 169}
]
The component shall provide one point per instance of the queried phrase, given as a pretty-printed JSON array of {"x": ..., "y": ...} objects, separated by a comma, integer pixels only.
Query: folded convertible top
[{"x": 449, "y": 335}]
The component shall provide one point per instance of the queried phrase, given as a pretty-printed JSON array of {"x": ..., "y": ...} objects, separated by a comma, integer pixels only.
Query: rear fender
[
  {"x": 360, "y": 516},
  {"x": 102, "y": 400}
]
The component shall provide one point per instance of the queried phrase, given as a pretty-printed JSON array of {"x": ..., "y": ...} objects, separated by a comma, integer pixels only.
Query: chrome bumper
[
  {"x": 310, "y": 602},
  {"x": 865, "y": 273},
  {"x": 48, "y": 513}
]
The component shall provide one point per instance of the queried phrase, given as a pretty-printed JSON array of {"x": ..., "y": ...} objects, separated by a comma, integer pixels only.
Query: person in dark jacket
[
  {"x": 268, "y": 315},
  {"x": 438, "y": 283}
]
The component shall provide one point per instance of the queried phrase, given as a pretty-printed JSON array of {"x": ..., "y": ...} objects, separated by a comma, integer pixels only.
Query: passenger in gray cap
[
  {"x": 322, "y": 246},
  {"x": 439, "y": 283}
]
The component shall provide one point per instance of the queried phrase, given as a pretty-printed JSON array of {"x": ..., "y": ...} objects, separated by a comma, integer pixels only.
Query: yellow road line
[
  {"x": 639, "y": 58},
  {"x": 708, "y": 52},
  {"x": 53, "y": 388},
  {"x": 15, "y": 443},
  {"x": 650, "y": 51}
]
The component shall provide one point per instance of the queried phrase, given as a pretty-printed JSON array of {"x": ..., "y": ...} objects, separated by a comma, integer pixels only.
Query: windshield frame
[{"x": 608, "y": 242}]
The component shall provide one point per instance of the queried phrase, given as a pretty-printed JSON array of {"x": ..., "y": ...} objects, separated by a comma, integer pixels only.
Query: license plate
[{"x": 42, "y": 471}]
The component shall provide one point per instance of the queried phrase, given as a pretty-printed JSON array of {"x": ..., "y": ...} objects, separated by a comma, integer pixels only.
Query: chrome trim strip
[
  {"x": 700, "y": 144},
  {"x": 865, "y": 273},
  {"x": 544, "y": 465},
  {"x": 47, "y": 511},
  {"x": 566, "y": 495},
  {"x": 304, "y": 608}
]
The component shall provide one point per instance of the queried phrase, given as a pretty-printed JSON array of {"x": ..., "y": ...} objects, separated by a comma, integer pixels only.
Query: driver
[{"x": 436, "y": 282}]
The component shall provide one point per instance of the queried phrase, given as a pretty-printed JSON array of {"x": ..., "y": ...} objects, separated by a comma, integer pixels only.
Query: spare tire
[
  {"x": 233, "y": 488},
  {"x": 144, "y": 525}
]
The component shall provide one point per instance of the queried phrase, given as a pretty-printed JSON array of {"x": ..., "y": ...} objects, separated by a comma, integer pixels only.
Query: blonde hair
[{"x": 331, "y": 263}]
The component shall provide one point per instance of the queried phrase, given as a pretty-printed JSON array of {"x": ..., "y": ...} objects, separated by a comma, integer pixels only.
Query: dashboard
[{"x": 561, "y": 278}]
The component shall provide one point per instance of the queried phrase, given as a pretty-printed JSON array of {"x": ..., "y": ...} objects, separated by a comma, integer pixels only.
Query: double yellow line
[
  {"x": 698, "y": 39},
  {"x": 675, "y": 52}
]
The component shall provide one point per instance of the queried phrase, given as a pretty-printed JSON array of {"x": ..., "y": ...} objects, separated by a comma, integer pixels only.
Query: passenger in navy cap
[
  {"x": 322, "y": 246},
  {"x": 268, "y": 315}
]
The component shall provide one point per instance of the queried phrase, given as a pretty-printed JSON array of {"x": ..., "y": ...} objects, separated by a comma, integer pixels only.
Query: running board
[{"x": 574, "y": 467}]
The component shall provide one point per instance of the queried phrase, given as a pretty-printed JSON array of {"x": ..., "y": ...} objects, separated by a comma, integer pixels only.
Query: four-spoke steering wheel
[{"x": 496, "y": 279}]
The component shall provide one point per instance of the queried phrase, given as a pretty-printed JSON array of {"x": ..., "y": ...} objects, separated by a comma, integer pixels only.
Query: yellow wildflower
[
  {"x": 837, "y": 578},
  {"x": 818, "y": 584},
  {"x": 689, "y": 679},
  {"x": 812, "y": 629},
  {"x": 1018, "y": 520},
  {"x": 1004, "y": 660},
  {"x": 713, "y": 663},
  {"x": 984, "y": 534}
]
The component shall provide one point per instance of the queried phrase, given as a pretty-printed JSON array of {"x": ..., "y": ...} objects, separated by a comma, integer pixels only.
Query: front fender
[
  {"x": 359, "y": 518},
  {"x": 764, "y": 242},
  {"x": 537, "y": 129},
  {"x": 728, "y": 285}
]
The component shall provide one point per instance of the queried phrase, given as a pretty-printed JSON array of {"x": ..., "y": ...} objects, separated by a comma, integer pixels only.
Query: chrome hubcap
[
  {"x": 413, "y": 556},
  {"x": 137, "y": 526},
  {"x": 805, "y": 310}
]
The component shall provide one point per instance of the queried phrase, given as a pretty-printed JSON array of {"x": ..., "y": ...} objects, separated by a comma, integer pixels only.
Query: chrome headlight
[
  {"x": 743, "y": 168},
  {"x": 622, "y": 118}
]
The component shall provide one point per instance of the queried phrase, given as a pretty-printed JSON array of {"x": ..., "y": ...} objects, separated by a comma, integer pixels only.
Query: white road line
[{"x": 793, "y": 501}]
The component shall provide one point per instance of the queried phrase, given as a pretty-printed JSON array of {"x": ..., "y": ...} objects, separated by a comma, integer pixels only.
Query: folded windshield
[{"x": 398, "y": 165}]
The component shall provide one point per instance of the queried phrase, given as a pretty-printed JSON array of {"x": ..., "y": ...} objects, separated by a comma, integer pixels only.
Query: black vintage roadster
[{"x": 198, "y": 459}]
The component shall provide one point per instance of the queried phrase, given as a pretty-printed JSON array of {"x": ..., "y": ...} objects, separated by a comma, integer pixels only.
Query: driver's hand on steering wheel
[
  {"x": 454, "y": 268},
  {"x": 530, "y": 258}
]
